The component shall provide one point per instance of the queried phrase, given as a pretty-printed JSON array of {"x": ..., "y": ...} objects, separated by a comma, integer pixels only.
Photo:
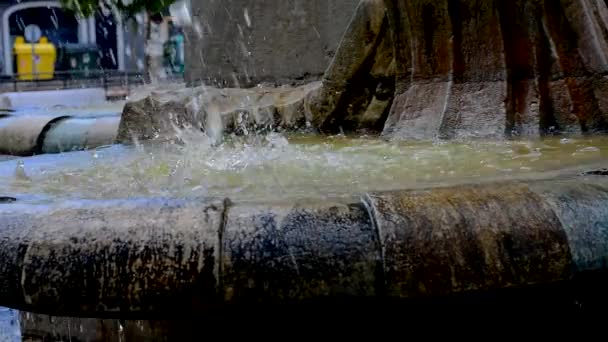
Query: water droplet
[
  {"x": 20, "y": 173},
  {"x": 247, "y": 19}
]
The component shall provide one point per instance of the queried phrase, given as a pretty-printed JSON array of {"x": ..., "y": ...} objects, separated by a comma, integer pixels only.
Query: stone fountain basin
[
  {"x": 165, "y": 257},
  {"x": 34, "y": 132}
]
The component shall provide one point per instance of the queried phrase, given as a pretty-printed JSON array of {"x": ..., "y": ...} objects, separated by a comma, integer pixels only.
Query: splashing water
[
  {"x": 276, "y": 166},
  {"x": 180, "y": 11}
]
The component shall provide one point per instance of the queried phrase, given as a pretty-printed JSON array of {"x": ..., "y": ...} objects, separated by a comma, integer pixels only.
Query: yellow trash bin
[{"x": 35, "y": 62}]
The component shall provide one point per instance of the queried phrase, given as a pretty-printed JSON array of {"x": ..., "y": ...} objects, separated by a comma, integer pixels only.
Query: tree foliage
[{"x": 127, "y": 7}]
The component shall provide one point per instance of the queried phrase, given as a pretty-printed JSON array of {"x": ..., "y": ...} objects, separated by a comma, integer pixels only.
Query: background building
[
  {"x": 246, "y": 42},
  {"x": 120, "y": 43}
]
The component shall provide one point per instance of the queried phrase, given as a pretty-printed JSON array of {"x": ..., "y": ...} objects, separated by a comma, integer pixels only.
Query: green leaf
[{"x": 127, "y": 7}]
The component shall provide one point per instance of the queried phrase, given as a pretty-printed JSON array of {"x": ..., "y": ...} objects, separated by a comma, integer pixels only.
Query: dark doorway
[{"x": 58, "y": 26}]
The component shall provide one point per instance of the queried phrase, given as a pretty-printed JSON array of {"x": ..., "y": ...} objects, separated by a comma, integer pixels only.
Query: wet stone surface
[
  {"x": 175, "y": 258},
  {"x": 164, "y": 114},
  {"x": 466, "y": 69},
  {"x": 14, "y": 231},
  {"x": 130, "y": 256},
  {"x": 461, "y": 239},
  {"x": 582, "y": 207},
  {"x": 291, "y": 253}
]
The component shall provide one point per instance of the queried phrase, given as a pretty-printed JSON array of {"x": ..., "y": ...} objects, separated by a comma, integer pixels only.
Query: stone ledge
[
  {"x": 162, "y": 258},
  {"x": 26, "y": 135}
]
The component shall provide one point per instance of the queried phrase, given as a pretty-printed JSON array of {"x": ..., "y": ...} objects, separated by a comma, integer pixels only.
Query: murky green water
[{"x": 276, "y": 167}]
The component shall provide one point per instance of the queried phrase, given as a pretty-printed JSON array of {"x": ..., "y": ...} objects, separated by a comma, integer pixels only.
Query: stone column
[{"x": 482, "y": 68}]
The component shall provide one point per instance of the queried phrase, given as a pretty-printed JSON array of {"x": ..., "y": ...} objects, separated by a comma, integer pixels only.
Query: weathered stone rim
[{"x": 341, "y": 250}]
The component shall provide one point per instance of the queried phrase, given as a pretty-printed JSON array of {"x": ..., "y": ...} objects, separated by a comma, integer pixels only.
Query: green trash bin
[{"x": 81, "y": 58}]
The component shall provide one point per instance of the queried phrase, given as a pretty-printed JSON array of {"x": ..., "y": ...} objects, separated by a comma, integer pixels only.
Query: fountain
[{"x": 451, "y": 148}]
